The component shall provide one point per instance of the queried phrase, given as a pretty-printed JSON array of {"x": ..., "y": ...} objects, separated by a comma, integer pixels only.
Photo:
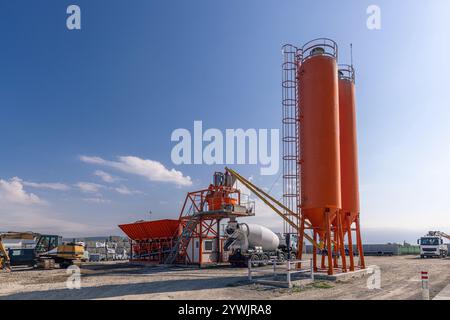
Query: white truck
[
  {"x": 432, "y": 245},
  {"x": 257, "y": 243}
]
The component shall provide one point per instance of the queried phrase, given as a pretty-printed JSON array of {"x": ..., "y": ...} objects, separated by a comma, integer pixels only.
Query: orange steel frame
[
  {"x": 332, "y": 238},
  {"x": 154, "y": 248},
  {"x": 334, "y": 243},
  {"x": 197, "y": 199},
  {"x": 359, "y": 246},
  {"x": 208, "y": 227}
]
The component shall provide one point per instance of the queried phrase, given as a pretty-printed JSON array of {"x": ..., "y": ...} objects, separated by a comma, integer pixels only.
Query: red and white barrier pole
[{"x": 425, "y": 285}]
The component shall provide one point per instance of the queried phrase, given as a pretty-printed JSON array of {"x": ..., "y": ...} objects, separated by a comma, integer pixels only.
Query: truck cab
[
  {"x": 432, "y": 246},
  {"x": 288, "y": 243}
]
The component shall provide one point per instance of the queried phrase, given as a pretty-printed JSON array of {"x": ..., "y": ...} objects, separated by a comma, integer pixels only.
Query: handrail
[
  {"x": 329, "y": 46},
  {"x": 346, "y": 72}
]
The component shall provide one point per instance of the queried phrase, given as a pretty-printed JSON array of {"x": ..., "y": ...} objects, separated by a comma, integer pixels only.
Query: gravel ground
[{"x": 400, "y": 279}]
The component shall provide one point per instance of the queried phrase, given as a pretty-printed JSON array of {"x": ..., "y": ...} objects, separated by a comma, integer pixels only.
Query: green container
[{"x": 409, "y": 250}]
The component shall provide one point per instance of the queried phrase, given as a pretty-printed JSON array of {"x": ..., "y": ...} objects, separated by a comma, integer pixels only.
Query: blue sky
[{"x": 136, "y": 71}]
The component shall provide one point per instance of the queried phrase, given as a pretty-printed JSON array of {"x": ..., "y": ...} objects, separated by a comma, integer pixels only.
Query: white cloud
[
  {"x": 106, "y": 177},
  {"x": 98, "y": 200},
  {"x": 150, "y": 169},
  {"x": 45, "y": 185},
  {"x": 89, "y": 187},
  {"x": 43, "y": 219},
  {"x": 94, "y": 188},
  {"x": 13, "y": 191},
  {"x": 124, "y": 190},
  {"x": 92, "y": 160},
  {"x": 24, "y": 211}
]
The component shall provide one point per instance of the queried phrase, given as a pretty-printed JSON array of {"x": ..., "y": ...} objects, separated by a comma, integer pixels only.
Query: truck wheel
[
  {"x": 421, "y": 256},
  {"x": 281, "y": 258},
  {"x": 265, "y": 260},
  {"x": 254, "y": 257}
]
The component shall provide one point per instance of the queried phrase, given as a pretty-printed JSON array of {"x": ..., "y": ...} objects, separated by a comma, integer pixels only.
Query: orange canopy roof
[{"x": 144, "y": 230}]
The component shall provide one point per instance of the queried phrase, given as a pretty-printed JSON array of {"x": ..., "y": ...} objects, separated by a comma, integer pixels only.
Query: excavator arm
[
  {"x": 272, "y": 203},
  {"x": 4, "y": 257}
]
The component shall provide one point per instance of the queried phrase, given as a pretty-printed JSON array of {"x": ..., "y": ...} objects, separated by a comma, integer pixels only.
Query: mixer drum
[{"x": 259, "y": 236}]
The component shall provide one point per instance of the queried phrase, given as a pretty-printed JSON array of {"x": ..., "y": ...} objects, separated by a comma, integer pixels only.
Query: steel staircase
[{"x": 180, "y": 246}]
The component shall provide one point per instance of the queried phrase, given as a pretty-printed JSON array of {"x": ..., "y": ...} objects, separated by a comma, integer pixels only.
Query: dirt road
[{"x": 400, "y": 279}]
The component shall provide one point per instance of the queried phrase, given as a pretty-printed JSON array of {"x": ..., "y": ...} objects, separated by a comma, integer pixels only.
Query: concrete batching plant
[{"x": 320, "y": 182}]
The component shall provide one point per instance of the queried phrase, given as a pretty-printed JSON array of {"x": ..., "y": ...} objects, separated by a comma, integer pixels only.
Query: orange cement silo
[
  {"x": 348, "y": 142},
  {"x": 350, "y": 211},
  {"x": 319, "y": 150},
  {"x": 319, "y": 132}
]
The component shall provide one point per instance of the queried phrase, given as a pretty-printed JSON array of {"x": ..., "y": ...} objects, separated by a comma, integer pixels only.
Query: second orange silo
[
  {"x": 348, "y": 144},
  {"x": 349, "y": 214}
]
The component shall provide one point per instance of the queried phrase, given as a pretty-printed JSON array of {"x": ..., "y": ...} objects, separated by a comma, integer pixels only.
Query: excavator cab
[{"x": 47, "y": 243}]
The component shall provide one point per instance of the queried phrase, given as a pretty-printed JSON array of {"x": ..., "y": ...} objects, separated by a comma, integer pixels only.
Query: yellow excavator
[
  {"x": 4, "y": 257},
  {"x": 48, "y": 251}
]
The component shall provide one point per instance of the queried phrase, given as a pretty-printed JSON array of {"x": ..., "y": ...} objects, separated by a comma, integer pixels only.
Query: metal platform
[{"x": 224, "y": 214}]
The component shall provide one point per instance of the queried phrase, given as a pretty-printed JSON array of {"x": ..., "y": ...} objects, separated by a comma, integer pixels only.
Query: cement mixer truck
[{"x": 255, "y": 242}]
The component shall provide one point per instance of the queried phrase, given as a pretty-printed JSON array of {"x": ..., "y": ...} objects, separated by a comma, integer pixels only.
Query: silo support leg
[
  {"x": 301, "y": 234},
  {"x": 315, "y": 251},
  {"x": 350, "y": 243},
  {"x": 328, "y": 236},
  {"x": 322, "y": 265},
  {"x": 359, "y": 243},
  {"x": 341, "y": 242},
  {"x": 335, "y": 247}
]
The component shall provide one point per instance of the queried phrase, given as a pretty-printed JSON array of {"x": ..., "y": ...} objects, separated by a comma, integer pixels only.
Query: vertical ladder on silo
[
  {"x": 290, "y": 138},
  {"x": 182, "y": 242}
]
